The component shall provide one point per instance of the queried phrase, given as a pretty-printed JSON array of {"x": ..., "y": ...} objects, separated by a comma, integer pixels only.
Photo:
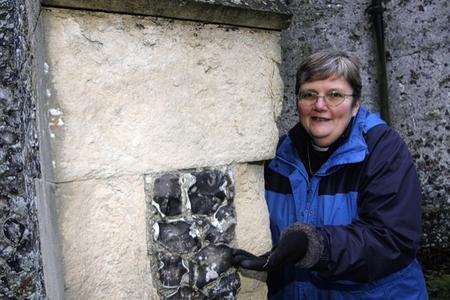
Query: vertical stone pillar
[
  {"x": 21, "y": 274},
  {"x": 151, "y": 122}
]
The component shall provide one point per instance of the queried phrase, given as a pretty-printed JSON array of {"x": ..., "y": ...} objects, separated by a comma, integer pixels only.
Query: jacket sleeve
[{"x": 385, "y": 236}]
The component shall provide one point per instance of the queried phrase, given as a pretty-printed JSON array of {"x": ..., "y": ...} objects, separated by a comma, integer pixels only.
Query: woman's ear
[{"x": 355, "y": 107}]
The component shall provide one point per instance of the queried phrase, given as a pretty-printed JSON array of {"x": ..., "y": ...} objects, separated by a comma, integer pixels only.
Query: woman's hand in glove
[
  {"x": 246, "y": 260},
  {"x": 290, "y": 249}
]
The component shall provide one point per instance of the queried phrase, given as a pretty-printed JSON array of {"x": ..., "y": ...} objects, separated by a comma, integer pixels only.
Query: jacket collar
[{"x": 352, "y": 149}]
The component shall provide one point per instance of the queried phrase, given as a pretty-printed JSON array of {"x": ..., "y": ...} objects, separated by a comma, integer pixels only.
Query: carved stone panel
[{"x": 191, "y": 221}]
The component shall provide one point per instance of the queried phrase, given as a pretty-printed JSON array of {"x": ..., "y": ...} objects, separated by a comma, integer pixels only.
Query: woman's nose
[{"x": 320, "y": 103}]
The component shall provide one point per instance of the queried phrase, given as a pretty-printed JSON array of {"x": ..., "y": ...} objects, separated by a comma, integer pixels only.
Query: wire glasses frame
[{"x": 332, "y": 98}]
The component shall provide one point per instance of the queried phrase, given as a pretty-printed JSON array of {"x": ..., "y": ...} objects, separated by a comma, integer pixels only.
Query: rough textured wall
[
  {"x": 417, "y": 52},
  {"x": 129, "y": 90},
  {"x": 128, "y": 97},
  {"x": 21, "y": 273}
]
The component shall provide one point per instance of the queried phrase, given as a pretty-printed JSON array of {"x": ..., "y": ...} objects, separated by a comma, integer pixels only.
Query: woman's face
[{"x": 325, "y": 124}]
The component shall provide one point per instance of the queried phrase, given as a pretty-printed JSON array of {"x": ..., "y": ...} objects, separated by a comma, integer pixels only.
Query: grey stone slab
[
  {"x": 22, "y": 275},
  {"x": 51, "y": 251},
  {"x": 40, "y": 80},
  {"x": 271, "y": 14}
]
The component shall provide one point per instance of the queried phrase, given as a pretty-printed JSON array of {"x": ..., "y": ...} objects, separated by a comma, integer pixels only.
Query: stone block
[
  {"x": 103, "y": 235},
  {"x": 48, "y": 233},
  {"x": 167, "y": 195},
  {"x": 252, "y": 226},
  {"x": 133, "y": 95},
  {"x": 271, "y": 14}
]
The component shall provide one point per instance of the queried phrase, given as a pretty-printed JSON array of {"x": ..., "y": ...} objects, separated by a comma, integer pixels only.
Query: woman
[{"x": 343, "y": 197}]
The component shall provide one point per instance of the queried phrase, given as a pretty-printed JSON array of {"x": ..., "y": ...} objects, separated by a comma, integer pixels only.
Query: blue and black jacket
[{"x": 364, "y": 202}]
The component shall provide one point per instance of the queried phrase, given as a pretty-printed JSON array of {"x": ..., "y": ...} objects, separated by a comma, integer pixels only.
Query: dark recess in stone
[
  {"x": 225, "y": 213},
  {"x": 167, "y": 194},
  {"x": 171, "y": 269},
  {"x": 226, "y": 218},
  {"x": 13, "y": 231},
  {"x": 187, "y": 293},
  {"x": 176, "y": 237},
  {"x": 214, "y": 236},
  {"x": 209, "y": 263},
  {"x": 226, "y": 288},
  {"x": 207, "y": 194}
]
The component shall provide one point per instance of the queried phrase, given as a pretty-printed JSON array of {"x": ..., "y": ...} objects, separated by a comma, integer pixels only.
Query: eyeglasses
[{"x": 332, "y": 98}]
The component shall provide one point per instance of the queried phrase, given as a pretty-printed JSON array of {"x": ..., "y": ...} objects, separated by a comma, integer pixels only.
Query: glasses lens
[
  {"x": 334, "y": 98},
  {"x": 308, "y": 97}
]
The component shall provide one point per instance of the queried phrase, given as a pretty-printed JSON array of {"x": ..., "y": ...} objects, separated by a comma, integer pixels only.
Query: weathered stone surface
[
  {"x": 252, "y": 227},
  {"x": 226, "y": 288},
  {"x": 223, "y": 226},
  {"x": 167, "y": 195},
  {"x": 21, "y": 274},
  {"x": 186, "y": 293},
  {"x": 48, "y": 233},
  {"x": 171, "y": 269},
  {"x": 103, "y": 234},
  {"x": 209, "y": 263},
  {"x": 209, "y": 191},
  {"x": 150, "y": 94},
  {"x": 177, "y": 237},
  {"x": 271, "y": 14}
]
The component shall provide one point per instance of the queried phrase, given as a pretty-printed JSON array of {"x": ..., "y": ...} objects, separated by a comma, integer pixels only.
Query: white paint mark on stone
[
  {"x": 211, "y": 274},
  {"x": 193, "y": 231},
  {"x": 46, "y": 68},
  {"x": 186, "y": 181},
  {"x": 52, "y": 135},
  {"x": 158, "y": 208},
  {"x": 48, "y": 93},
  {"x": 155, "y": 231},
  {"x": 54, "y": 112}
]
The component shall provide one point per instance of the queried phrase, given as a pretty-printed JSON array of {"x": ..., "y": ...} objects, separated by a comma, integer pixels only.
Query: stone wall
[
  {"x": 130, "y": 98},
  {"x": 416, "y": 38},
  {"x": 21, "y": 273}
]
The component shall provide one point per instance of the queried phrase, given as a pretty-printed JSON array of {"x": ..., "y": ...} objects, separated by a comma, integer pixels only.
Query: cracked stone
[
  {"x": 209, "y": 191},
  {"x": 171, "y": 270},
  {"x": 13, "y": 231},
  {"x": 178, "y": 237},
  {"x": 223, "y": 225},
  {"x": 167, "y": 195},
  {"x": 186, "y": 293},
  {"x": 209, "y": 263},
  {"x": 225, "y": 288}
]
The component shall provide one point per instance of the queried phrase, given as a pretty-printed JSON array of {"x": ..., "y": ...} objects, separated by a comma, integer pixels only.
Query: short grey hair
[{"x": 329, "y": 63}]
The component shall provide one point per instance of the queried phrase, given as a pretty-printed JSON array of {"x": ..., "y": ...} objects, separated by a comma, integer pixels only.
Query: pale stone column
[{"x": 128, "y": 96}]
